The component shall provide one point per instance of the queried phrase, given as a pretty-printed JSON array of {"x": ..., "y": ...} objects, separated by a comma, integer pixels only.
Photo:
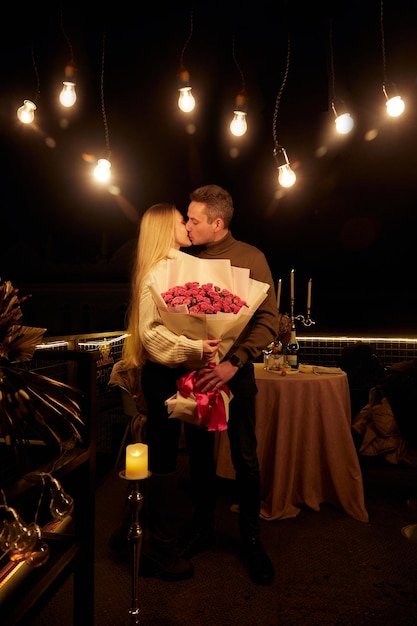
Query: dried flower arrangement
[{"x": 31, "y": 405}]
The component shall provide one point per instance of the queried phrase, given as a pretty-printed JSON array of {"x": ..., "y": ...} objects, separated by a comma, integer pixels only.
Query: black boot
[
  {"x": 200, "y": 540},
  {"x": 160, "y": 559},
  {"x": 159, "y": 552},
  {"x": 259, "y": 565}
]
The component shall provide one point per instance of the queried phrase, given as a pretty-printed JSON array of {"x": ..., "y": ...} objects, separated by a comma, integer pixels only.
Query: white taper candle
[
  {"x": 279, "y": 286},
  {"x": 310, "y": 282}
]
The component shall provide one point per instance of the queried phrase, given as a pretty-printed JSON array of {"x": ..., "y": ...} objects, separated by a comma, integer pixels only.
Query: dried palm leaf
[{"x": 32, "y": 406}]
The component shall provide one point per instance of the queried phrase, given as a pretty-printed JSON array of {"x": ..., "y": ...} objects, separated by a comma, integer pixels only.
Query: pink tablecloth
[{"x": 305, "y": 447}]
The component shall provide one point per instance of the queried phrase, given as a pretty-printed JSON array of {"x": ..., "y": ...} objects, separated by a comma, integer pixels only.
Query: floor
[{"x": 331, "y": 570}]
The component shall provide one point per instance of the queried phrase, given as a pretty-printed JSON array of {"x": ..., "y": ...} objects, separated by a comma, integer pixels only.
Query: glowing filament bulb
[
  {"x": 238, "y": 125},
  {"x": 344, "y": 123},
  {"x": 286, "y": 176},
  {"x": 102, "y": 170},
  {"x": 186, "y": 100},
  {"x": 68, "y": 97},
  {"x": 395, "y": 106},
  {"x": 26, "y": 113}
]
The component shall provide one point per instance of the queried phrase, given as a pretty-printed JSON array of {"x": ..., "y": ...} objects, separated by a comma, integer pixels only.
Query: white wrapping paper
[{"x": 226, "y": 326}]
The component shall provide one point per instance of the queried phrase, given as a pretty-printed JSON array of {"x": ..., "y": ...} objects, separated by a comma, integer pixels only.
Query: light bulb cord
[
  {"x": 188, "y": 39},
  {"x": 279, "y": 95},
  {"x": 38, "y": 94},
  {"x": 242, "y": 78},
  {"x": 331, "y": 62},
  {"x": 66, "y": 37},
  {"x": 384, "y": 60},
  {"x": 103, "y": 109}
]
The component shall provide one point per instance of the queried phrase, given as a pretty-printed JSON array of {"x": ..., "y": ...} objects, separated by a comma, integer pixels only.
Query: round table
[{"x": 305, "y": 447}]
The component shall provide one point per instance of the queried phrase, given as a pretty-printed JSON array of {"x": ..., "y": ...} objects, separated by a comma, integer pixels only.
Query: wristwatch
[{"x": 234, "y": 360}]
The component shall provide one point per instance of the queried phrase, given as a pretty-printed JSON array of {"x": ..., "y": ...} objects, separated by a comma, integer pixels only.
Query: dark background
[{"x": 348, "y": 223}]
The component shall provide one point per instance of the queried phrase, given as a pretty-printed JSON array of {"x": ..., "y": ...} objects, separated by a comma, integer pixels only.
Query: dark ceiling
[{"x": 350, "y": 220}]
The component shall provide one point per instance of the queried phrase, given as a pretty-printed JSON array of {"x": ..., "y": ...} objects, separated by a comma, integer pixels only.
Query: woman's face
[{"x": 181, "y": 239}]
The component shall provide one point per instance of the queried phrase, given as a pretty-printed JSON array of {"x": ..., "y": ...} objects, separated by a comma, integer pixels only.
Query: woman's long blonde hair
[{"x": 156, "y": 237}]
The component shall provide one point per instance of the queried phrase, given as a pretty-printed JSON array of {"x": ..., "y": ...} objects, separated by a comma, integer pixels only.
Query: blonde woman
[{"x": 161, "y": 357}]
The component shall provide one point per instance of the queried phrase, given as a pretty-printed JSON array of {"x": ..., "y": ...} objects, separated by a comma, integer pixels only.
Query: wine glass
[{"x": 267, "y": 353}]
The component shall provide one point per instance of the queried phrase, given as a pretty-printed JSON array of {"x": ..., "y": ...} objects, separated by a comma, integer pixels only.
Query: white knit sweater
[{"x": 162, "y": 345}]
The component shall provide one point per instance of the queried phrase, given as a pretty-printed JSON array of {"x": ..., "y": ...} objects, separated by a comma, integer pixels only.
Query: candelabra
[
  {"x": 134, "y": 536},
  {"x": 305, "y": 320}
]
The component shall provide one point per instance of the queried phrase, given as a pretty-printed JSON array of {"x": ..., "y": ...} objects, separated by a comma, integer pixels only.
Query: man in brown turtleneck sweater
[{"x": 209, "y": 216}]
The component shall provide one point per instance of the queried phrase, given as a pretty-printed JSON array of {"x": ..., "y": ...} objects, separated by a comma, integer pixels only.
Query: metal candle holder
[
  {"x": 306, "y": 321},
  {"x": 134, "y": 536}
]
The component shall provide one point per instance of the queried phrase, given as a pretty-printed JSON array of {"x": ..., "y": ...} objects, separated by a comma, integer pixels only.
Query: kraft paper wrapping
[{"x": 220, "y": 272}]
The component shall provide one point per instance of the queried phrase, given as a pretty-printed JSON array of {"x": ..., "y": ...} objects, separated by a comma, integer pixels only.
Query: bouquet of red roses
[
  {"x": 228, "y": 294},
  {"x": 204, "y": 299}
]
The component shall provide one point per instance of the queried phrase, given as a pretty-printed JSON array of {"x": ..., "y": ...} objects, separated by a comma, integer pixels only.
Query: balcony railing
[{"x": 317, "y": 350}]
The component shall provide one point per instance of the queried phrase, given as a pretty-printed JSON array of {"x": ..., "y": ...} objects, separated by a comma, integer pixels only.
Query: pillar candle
[
  {"x": 292, "y": 285},
  {"x": 137, "y": 461},
  {"x": 279, "y": 285},
  {"x": 310, "y": 282}
]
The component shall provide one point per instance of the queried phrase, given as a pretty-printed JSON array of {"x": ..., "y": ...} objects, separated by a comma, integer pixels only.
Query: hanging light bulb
[
  {"x": 395, "y": 105},
  {"x": 102, "y": 170},
  {"x": 344, "y": 123},
  {"x": 239, "y": 125},
  {"x": 286, "y": 176},
  {"x": 68, "y": 97},
  {"x": 26, "y": 113},
  {"x": 186, "y": 100}
]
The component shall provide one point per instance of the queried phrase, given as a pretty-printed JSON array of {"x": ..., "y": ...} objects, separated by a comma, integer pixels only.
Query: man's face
[{"x": 200, "y": 231}]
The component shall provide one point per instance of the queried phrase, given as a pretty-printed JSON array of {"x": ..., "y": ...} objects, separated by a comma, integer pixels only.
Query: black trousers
[
  {"x": 162, "y": 433},
  {"x": 242, "y": 438}
]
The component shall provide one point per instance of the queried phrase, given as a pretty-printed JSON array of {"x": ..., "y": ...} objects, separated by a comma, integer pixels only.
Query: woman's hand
[{"x": 210, "y": 348}]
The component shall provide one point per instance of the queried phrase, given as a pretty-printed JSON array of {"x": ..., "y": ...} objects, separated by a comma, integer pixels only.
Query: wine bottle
[{"x": 292, "y": 349}]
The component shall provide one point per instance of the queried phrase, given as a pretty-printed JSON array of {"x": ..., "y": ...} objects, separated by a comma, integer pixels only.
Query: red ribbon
[{"x": 210, "y": 406}]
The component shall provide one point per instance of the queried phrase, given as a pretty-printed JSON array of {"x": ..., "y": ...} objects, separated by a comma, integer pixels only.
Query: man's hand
[{"x": 209, "y": 378}]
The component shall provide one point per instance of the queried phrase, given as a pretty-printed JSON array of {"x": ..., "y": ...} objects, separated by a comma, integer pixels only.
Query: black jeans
[
  {"x": 162, "y": 433},
  {"x": 242, "y": 437}
]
